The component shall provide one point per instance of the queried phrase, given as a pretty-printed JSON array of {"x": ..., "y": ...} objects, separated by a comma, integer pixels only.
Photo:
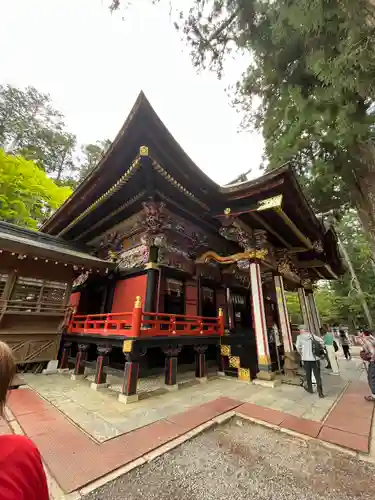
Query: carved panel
[
  {"x": 153, "y": 217},
  {"x": 134, "y": 257},
  {"x": 81, "y": 279}
]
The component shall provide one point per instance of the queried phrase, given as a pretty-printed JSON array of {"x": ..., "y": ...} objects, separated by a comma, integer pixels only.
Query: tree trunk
[
  {"x": 364, "y": 198},
  {"x": 356, "y": 282}
]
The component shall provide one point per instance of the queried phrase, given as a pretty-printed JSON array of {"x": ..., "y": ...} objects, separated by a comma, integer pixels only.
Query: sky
[{"x": 94, "y": 64}]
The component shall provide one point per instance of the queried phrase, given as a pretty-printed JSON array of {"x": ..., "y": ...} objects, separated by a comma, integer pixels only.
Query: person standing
[
  {"x": 345, "y": 344},
  {"x": 307, "y": 345},
  {"x": 329, "y": 344},
  {"x": 367, "y": 340}
]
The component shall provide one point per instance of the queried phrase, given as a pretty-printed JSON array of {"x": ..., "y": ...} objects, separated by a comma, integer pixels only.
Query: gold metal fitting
[
  {"x": 227, "y": 211},
  {"x": 221, "y": 312},
  {"x": 138, "y": 302},
  {"x": 143, "y": 151}
]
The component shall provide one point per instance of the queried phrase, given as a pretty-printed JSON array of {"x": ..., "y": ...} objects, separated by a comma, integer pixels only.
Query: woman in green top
[{"x": 328, "y": 341}]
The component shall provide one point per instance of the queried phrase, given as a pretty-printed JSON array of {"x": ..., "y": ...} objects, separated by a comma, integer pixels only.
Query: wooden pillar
[
  {"x": 129, "y": 386},
  {"x": 305, "y": 309},
  {"x": 201, "y": 370},
  {"x": 65, "y": 355},
  {"x": 230, "y": 310},
  {"x": 152, "y": 280},
  {"x": 283, "y": 314},
  {"x": 264, "y": 360},
  {"x": 79, "y": 367},
  {"x": 171, "y": 354},
  {"x": 313, "y": 311},
  {"x": 11, "y": 280},
  {"x": 100, "y": 381}
]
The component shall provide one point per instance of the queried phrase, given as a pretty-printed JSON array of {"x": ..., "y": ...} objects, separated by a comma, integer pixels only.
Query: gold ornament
[
  {"x": 127, "y": 346},
  {"x": 274, "y": 202},
  {"x": 225, "y": 350},
  {"x": 231, "y": 259},
  {"x": 264, "y": 359},
  {"x": 244, "y": 374},
  {"x": 143, "y": 151},
  {"x": 234, "y": 361}
]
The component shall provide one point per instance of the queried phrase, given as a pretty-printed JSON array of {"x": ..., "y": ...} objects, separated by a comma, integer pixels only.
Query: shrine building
[{"x": 198, "y": 271}]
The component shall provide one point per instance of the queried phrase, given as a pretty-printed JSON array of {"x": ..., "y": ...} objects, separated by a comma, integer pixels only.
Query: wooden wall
[
  {"x": 74, "y": 299},
  {"x": 127, "y": 290},
  {"x": 191, "y": 298}
]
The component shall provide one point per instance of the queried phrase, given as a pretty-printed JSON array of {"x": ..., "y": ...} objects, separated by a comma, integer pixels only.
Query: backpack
[{"x": 317, "y": 348}]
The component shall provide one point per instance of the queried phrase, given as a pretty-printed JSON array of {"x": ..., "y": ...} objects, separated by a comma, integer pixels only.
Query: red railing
[{"x": 145, "y": 324}]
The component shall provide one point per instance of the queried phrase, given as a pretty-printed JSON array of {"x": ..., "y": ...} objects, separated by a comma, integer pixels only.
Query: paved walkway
[
  {"x": 100, "y": 414},
  {"x": 101, "y": 435}
]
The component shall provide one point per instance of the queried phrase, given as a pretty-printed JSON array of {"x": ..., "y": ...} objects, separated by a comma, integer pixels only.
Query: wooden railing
[
  {"x": 145, "y": 324},
  {"x": 37, "y": 307}
]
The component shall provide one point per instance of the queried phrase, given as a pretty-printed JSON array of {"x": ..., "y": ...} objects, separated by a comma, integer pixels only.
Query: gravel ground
[{"x": 244, "y": 461}]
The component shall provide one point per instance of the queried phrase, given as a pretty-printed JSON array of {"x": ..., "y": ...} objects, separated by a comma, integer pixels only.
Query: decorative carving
[
  {"x": 225, "y": 350},
  {"x": 243, "y": 279},
  {"x": 80, "y": 279},
  {"x": 318, "y": 246},
  {"x": 233, "y": 232},
  {"x": 201, "y": 349},
  {"x": 197, "y": 241},
  {"x": 173, "y": 256},
  {"x": 243, "y": 265},
  {"x": 269, "y": 203},
  {"x": 134, "y": 257},
  {"x": 286, "y": 268},
  {"x": 260, "y": 238},
  {"x": 153, "y": 218},
  {"x": 172, "y": 351},
  {"x": 234, "y": 361},
  {"x": 103, "y": 350},
  {"x": 111, "y": 241},
  {"x": 231, "y": 259}
]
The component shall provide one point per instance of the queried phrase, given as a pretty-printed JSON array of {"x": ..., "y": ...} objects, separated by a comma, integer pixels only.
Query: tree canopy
[
  {"x": 31, "y": 126},
  {"x": 27, "y": 194}
]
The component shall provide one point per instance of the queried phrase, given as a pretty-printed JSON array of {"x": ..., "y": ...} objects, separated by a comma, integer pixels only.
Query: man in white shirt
[{"x": 311, "y": 363}]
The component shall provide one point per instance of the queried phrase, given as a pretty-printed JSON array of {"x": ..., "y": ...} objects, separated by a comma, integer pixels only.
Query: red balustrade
[{"x": 145, "y": 324}]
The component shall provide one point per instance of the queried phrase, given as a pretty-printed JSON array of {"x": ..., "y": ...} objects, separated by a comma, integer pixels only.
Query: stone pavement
[
  {"x": 100, "y": 414},
  {"x": 84, "y": 435}
]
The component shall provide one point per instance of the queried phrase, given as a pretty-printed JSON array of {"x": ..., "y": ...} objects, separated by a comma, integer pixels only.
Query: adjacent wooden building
[{"x": 36, "y": 275}]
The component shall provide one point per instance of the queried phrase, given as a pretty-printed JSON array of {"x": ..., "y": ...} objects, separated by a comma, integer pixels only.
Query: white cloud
[{"x": 94, "y": 64}]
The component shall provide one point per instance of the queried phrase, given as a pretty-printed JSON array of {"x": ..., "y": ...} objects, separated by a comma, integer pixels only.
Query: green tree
[
  {"x": 31, "y": 126},
  {"x": 92, "y": 154},
  {"x": 27, "y": 195}
]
